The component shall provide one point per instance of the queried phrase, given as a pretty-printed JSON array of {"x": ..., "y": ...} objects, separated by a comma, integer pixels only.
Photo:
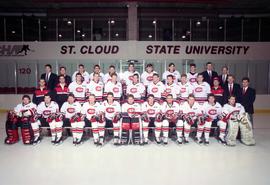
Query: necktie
[
  {"x": 230, "y": 89},
  {"x": 244, "y": 90},
  {"x": 47, "y": 78},
  {"x": 210, "y": 74},
  {"x": 224, "y": 78}
]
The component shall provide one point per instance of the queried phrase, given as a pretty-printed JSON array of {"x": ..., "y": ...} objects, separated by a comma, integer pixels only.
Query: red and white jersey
[
  {"x": 116, "y": 89},
  {"x": 107, "y": 77},
  {"x": 127, "y": 76},
  {"x": 175, "y": 74},
  {"x": 151, "y": 110},
  {"x": 212, "y": 111},
  {"x": 137, "y": 90},
  {"x": 147, "y": 78},
  {"x": 185, "y": 90},
  {"x": 47, "y": 110},
  {"x": 95, "y": 88},
  {"x": 70, "y": 110},
  {"x": 131, "y": 108},
  {"x": 101, "y": 77},
  {"x": 27, "y": 109},
  {"x": 156, "y": 89},
  {"x": 85, "y": 76},
  {"x": 201, "y": 91},
  {"x": 90, "y": 110},
  {"x": 192, "y": 78},
  {"x": 194, "y": 111},
  {"x": 110, "y": 110},
  {"x": 229, "y": 110},
  {"x": 173, "y": 89},
  {"x": 79, "y": 91},
  {"x": 173, "y": 108}
]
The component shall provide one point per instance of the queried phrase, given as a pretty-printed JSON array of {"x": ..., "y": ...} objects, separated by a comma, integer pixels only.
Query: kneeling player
[
  {"x": 112, "y": 109},
  {"x": 94, "y": 118},
  {"x": 151, "y": 117},
  {"x": 20, "y": 117},
  {"x": 73, "y": 118},
  {"x": 131, "y": 121}
]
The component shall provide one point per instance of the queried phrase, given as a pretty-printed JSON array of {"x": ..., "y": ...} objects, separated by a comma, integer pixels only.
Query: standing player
[
  {"x": 98, "y": 71},
  {"x": 185, "y": 88},
  {"x": 152, "y": 117},
  {"x": 78, "y": 89},
  {"x": 95, "y": 86},
  {"x": 201, "y": 90},
  {"x": 192, "y": 74},
  {"x": 128, "y": 75},
  {"x": 114, "y": 87},
  {"x": 72, "y": 112},
  {"x": 217, "y": 90},
  {"x": 108, "y": 76},
  {"x": 137, "y": 89},
  {"x": 156, "y": 88},
  {"x": 147, "y": 75},
  {"x": 85, "y": 75},
  {"x": 20, "y": 117},
  {"x": 61, "y": 91},
  {"x": 40, "y": 92},
  {"x": 92, "y": 112},
  {"x": 171, "y": 71},
  {"x": 171, "y": 88}
]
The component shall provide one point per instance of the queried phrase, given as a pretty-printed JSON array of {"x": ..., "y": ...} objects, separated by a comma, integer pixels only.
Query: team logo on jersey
[
  {"x": 149, "y": 78},
  {"x": 98, "y": 88},
  {"x": 183, "y": 90},
  {"x": 198, "y": 89},
  {"x": 169, "y": 112},
  {"x": 130, "y": 110},
  {"x": 91, "y": 111},
  {"x": 110, "y": 110},
  {"x": 79, "y": 89},
  {"x": 192, "y": 114},
  {"x": 116, "y": 90},
  {"x": 154, "y": 90},
  {"x": 46, "y": 112},
  {"x": 212, "y": 112},
  {"x": 130, "y": 78},
  {"x": 151, "y": 111},
  {"x": 168, "y": 90},
  {"x": 192, "y": 80},
  {"x": 70, "y": 110},
  {"x": 133, "y": 90}
]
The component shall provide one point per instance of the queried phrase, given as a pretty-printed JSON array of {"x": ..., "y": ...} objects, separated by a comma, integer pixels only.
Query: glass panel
[
  {"x": 65, "y": 29},
  {"x": 265, "y": 29},
  {"x": 233, "y": 29},
  {"x": 100, "y": 30},
  {"x": 164, "y": 30},
  {"x": 147, "y": 30},
  {"x": 14, "y": 29},
  {"x": 251, "y": 29},
  {"x": 2, "y": 29},
  {"x": 199, "y": 30},
  {"x": 182, "y": 30},
  {"x": 118, "y": 29},
  {"x": 7, "y": 75},
  {"x": 48, "y": 30},
  {"x": 83, "y": 30},
  {"x": 30, "y": 29},
  {"x": 216, "y": 30}
]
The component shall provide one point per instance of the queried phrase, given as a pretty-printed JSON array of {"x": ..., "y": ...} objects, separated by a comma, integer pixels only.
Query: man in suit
[
  {"x": 50, "y": 78},
  {"x": 232, "y": 88},
  {"x": 224, "y": 76},
  {"x": 209, "y": 74},
  {"x": 62, "y": 72},
  {"x": 248, "y": 97}
]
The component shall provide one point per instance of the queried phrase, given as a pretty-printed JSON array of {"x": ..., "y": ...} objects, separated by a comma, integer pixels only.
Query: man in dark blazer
[
  {"x": 209, "y": 74},
  {"x": 50, "y": 78},
  {"x": 232, "y": 88},
  {"x": 62, "y": 72},
  {"x": 248, "y": 97},
  {"x": 224, "y": 76}
]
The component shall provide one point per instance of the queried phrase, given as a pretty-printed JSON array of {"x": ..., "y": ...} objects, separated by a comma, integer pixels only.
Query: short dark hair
[
  {"x": 150, "y": 95},
  {"x": 230, "y": 75},
  {"x": 61, "y": 76},
  {"x": 171, "y": 64},
  {"x": 81, "y": 65},
  {"x": 62, "y": 67},
  {"x": 156, "y": 74},
  {"x": 192, "y": 64},
  {"x": 112, "y": 66},
  {"x": 131, "y": 64},
  {"x": 130, "y": 96},
  {"x": 245, "y": 78},
  {"x": 26, "y": 96},
  {"x": 200, "y": 74},
  {"x": 96, "y": 66},
  {"x": 136, "y": 75},
  {"x": 210, "y": 95},
  {"x": 170, "y": 76},
  {"x": 48, "y": 94},
  {"x": 71, "y": 95},
  {"x": 48, "y": 65},
  {"x": 78, "y": 74},
  {"x": 183, "y": 75},
  {"x": 232, "y": 96},
  {"x": 113, "y": 74},
  {"x": 149, "y": 65},
  {"x": 109, "y": 93},
  {"x": 191, "y": 96},
  {"x": 169, "y": 95},
  {"x": 209, "y": 63}
]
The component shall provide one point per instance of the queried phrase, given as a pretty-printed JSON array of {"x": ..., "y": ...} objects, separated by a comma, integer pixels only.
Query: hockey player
[
  {"x": 191, "y": 114},
  {"x": 98, "y": 71},
  {"x": 147, "y": 75},
  {"x": 137, "y": 89},
  {"x": 201, "y": 90},
  {"x": 20, "y": 117},
  {"x": 85, "y": 75},
  {"x": 156, "y": 88},
  {"x": 95, "y": 86},
  {"x": 171, "y": 71},
  {"x": 48, "y": 116},
  {"x": 91, "y": 110},
  {"x": 151, "y": 117},
  {"x": 72, "y": 112},
  {"x": 39, "y": 93},
  {"x": 217, "y": 90},
  {"x": 108, "y": 76},
  {"x": 192, "y": 74},
  {"x": 131, "y": 112},
  {"x": 171, "y": 88},
  {"x": 185, "y": 88},
  {"x": 78, "y": 89},
  {"x": 170, "y": 111},
  {"x": 61, "y": 91},
  {"x": 112, "y": 111},
  {"x": 128, "y": 75},
  {"x": 114, "y": 87},
  {"x": 212, "y": 111}
]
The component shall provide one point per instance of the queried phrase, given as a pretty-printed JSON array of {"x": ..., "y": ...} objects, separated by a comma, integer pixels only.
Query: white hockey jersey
[
  {"x": 230, "y": 111},
  {"x": 107, "y": 77},
  {"x": 85, "y": 76},
  {"x": 168, "y": 109},
  {"x": 201, "y": 91},
  {"x": 70, "y": 110},
  {"x": 131, "y": 108},
  {"x": 127, "y": 76},
  {"x": 46, "y": 110},
  {"x": 79, "y": 91},
  {"x": 25, "y": 110},
  {"x": 101, "y": 77},
  {"x": 173, "y": 89},
  {"x": 212, "y": 111},
  {"x": 156, "y": 89},
  {"x": 151, "y": 110},
  {"x": 90, "y": 110},
  {"x": 185, "y": 90},
  {"x": 192, "y": 78},
  {"x": 116, "y": 89},
  {"x": 110, "y": 110},
  {"x": 95, "y": 88},
  {"x": 137, "y": 90},
  {"x": 193, "y": 112},
  {"x": 176, "y": 76},
  {"x": 147, "y": 78}
]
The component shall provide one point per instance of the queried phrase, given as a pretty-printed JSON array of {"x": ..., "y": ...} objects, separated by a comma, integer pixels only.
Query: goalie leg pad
[
  {"x": 233, "y": 127},
  {"x": 12, "y": 132},
  {"x": 246, "y": 131},
  {"x": 27, "y": 132}
]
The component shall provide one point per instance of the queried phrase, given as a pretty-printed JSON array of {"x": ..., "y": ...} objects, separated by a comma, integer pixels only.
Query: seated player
[
  {"x": 112, "y": 111},
  {"x": 48, "y": 116},
  {"x": 78, "y": 89},
  {"x": 114, "y": 87},
  {"x": 131, "y": 121},
  {"x": 137, "y": 89},
  {"x": 156, "y": 88},
  {"x": 147, "y": 75},
  {"x": 39, "y": 93},
  {"x": 20, "y": 117},
  {"x": 185, "y": 88},
  {"x": 72, "y": 117},
  {"x": 93, "y": 117},
  {"x": 212, "y": 111},
  {"x": 61, "y": 91},
  {"x": 151, "y": 117},
  {"x": 191, "y": 114},
  {"x": 201, "y": 90},
  {"x": 171, "y": 111},
  {"x": 95, "y": 86},
  {"x": 171, "y": 87}
]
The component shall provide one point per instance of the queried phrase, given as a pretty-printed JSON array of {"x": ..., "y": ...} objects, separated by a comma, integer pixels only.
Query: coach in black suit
[
  {"x": 50, "y": 78},
  {"x": 232, "y": 88},
  {"x": 209, "y": 74},
  {"x": 223, "y": 78},
  {"x": 62, "y": 71},
  {"x": 248, "y": 97}
]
